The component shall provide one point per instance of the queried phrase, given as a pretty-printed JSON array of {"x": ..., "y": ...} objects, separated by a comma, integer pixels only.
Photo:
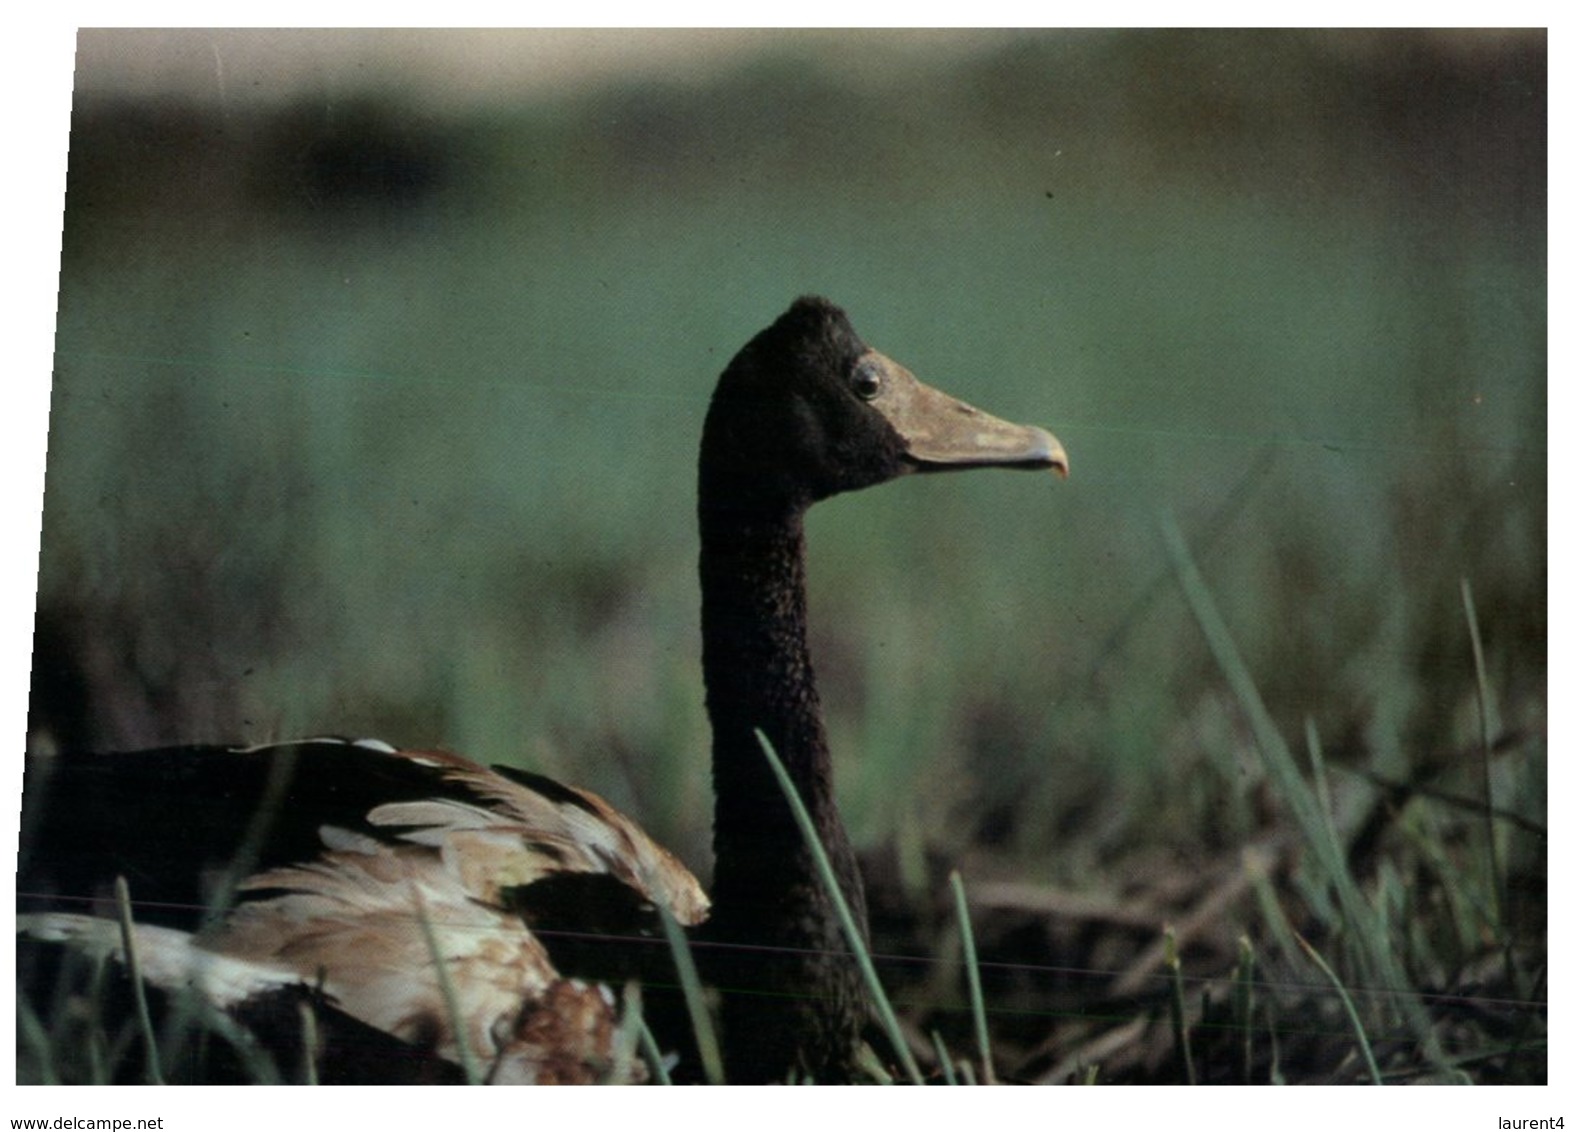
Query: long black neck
[{"x": 793, "y": 1001}]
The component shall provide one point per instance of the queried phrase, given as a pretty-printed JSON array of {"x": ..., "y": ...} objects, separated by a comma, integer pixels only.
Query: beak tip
[{"x": 1048, "y": 449}]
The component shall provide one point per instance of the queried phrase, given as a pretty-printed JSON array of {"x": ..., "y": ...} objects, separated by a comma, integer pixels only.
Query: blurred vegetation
[{"x": 375, "y": 418}]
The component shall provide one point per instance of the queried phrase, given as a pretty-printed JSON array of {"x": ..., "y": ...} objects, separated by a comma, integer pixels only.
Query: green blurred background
[{"x": 381, "y": 364}]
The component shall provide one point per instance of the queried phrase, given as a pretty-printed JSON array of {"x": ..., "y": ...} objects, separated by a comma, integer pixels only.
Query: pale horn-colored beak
[{"x": 944, "y": 434}]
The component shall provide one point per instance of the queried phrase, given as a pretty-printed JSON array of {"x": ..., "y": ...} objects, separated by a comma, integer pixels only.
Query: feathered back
[
  {"x": 523, "y": 827},
  {"x": 443, "y": 875}
]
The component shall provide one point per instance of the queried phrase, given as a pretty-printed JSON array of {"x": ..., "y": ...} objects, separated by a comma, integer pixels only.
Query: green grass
[{"x": 430, "y": 477}]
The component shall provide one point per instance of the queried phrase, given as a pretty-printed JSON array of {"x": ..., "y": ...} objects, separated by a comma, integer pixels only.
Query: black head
[{"x": 806, "y": 410}]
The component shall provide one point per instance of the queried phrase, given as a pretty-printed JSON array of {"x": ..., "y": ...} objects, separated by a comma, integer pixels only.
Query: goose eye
[{"x": 866, "y": 382}]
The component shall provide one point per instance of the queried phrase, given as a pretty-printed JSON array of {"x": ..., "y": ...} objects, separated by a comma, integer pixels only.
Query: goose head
[{"x": 807, "y": 410}]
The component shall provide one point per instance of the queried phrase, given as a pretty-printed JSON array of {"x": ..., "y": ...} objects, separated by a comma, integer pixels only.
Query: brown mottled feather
[
  {"x": 348, "y": 923},
  {"x": 520, "y": 835},
  {"x": 564, "y": 1036},
  {"x": 352, "y": 919}
]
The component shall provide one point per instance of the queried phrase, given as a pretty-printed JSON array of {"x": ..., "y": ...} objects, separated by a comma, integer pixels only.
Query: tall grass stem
[
  {"x": 456, "y": 1021},
  {"x": 1178, "y": 1005},
  {"x": 308, "y": 1043},
  {"x": 1485, "y": 735},
  {"x": 128, "y": 944},
  {"x": 975, "y": 983},
  {"x": 694, "y": 998},
  {"x": 1350, "y": 1009},
  {"x": 850, "y": 929}
]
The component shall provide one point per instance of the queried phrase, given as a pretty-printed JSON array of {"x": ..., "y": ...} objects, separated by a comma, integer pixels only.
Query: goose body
[
  {"x": 341, "y": 866},
  {"x": 370, "y": 860}
]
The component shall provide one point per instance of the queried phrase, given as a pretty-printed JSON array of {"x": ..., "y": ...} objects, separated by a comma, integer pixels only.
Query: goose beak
[{"x": 945, "y": 434}]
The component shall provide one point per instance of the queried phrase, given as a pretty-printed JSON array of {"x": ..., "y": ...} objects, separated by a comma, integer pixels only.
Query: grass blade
[
  {"x": 179, "y": 1025},
  {"x": 1245, "y": 969},
  {"x": 1178, "y": 1006},
  {"x": 943, "y": 1055},
  {"x": 975, "y": 985},
  {"x": 888, "y": 1017},
  {"x": 1276, "y": 1075},
  {"x": 1271, "y": 746},
  {"x": 866, "y": 1060},
  {"x": 31, "y": 1035},
  {"x": 308, "y": 1043},
  {"x": 653, "y": 1055},
  {"x": 281, "y": 772},
  {"x": 128, "y": 945},
  {"x": 1350, "y": 1009},
  {"x": 456, "y": 1021},
  {"x": 1485, "y": 734},
  {"x": 627, "y": 1036},
  {"x": 694, "y": 999}
]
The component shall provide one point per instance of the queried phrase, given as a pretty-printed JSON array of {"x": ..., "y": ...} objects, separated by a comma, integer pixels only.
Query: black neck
[{"x": 766, "y": 890}]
